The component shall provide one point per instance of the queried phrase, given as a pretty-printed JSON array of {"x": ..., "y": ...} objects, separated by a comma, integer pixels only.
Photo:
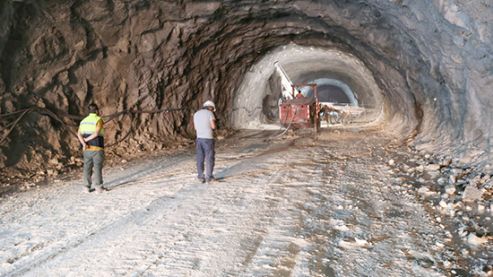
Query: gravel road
[{"x": 295, "y": 206}]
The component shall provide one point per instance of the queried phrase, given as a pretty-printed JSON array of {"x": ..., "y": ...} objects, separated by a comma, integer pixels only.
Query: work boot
[
  {"x": 210, "y": 180},
  {"x": 201, "y": 179}
]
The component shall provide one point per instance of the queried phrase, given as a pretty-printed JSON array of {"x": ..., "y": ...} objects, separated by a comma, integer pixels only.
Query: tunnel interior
[
  {"x": 420, "y": 70},
  {"x": 335, "y": 72}
]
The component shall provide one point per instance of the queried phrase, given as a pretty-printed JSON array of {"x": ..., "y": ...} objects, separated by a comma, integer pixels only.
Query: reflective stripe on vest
[{"x": 88, "y": 127}]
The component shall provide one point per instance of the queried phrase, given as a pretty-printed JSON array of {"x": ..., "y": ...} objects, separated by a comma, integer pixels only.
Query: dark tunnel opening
[{"x": 332, "y": 93}]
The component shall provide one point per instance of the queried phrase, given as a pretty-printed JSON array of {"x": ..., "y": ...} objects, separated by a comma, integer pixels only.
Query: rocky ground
[
  {"x": 459, "y": 197},
  {"x": 345, "y": 203},
  {"x": 60, "y": 167}
]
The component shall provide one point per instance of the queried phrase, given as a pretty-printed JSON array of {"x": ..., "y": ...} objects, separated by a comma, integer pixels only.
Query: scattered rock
[
  {"x": 446, "y": 162},
  {"x": 53, "y": 161},
  {"x": 488, "y": 184},
  {"x": 471, "y": 193},
  {"x": 450, "y": 189},
  {"x": 432, "y": 167},
  {"x": 425, "y": 191},
  {"x": 457, "y": 172},
  {"x": 476, "y": 241},
  {"x": 447, "y": 264},
  {"x": 354, "y": 243},
  {"x": 442, "y": 181},
  {"x": 443, "y": 204}
]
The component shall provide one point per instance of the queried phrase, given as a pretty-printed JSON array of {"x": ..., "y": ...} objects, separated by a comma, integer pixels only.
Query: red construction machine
[{"x": 300, "y": 110}]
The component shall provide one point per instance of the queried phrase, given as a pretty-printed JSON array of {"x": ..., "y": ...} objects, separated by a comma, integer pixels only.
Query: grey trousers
[
  {"x": 205, "y": 153},
  {"x": 93, "y": 160}
]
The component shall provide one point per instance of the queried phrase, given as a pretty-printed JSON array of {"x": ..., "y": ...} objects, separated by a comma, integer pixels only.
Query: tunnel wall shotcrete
[{"x": 432, "y": 62}]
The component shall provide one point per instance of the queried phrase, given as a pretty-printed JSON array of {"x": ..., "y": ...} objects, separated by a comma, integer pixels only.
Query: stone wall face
[{"x": 433, "y": 62}]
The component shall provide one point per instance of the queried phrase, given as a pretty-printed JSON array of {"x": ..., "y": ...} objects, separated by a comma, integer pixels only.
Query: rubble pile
[{"x": 459, "y": 197}]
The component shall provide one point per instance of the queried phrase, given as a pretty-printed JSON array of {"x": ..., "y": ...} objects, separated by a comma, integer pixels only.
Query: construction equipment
[
  {"x": 300, "y": 111},
  {"x": 286, "y": 84},
  {"x": 334, "y": 113}
]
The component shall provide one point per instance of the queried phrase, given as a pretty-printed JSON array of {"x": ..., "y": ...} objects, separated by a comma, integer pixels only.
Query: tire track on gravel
[
  {"x": 283, "y": 243},
  {"x": 337, "y": 217},
  {"x": 132, "y": 177},
  {"x": 173, "y": 249},
  {"x": 65, "y": 244},
  {"x": 284, "y": 209}
]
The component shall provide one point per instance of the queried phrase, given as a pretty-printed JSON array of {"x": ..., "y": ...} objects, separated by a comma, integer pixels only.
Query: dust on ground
[{"x": 296, "y": 205}]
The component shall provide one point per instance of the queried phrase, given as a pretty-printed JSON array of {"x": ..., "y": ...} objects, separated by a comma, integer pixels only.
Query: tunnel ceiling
[{"x": 430, "y": 61}]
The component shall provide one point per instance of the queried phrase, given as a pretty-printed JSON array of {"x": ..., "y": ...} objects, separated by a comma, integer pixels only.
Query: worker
[
  {"x": 299, "y": 95},
  {"x": 204, "y": 123},
  {"x": 91, "y": 137}
]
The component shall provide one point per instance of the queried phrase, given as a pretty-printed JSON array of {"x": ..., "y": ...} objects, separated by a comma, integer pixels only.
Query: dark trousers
[{"x": 205, "y": 152}]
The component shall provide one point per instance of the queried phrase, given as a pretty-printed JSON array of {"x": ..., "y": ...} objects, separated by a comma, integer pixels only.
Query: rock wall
[{"x": 433, "y": 63}]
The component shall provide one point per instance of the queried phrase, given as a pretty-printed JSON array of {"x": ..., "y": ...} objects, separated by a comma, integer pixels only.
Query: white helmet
[{"x": 209, "y": 103}]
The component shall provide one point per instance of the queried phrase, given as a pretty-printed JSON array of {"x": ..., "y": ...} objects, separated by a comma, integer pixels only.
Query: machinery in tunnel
[
  {"x": 256, "y": 104},
  {"x": 338, "y": 102},
  {"x": 299, "y": 106},
  {"x": 304, "y": 105},
  {"x": 300, "y": 111}
]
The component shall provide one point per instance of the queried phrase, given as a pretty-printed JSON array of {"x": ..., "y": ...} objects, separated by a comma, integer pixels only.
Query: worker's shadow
[
  {"x": 220, "y": 175},
  {"x": 233, "y": 171},
  {"x": 117, "y": 184}
]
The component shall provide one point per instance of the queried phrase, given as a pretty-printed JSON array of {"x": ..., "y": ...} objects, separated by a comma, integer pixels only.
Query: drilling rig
[{"x": 295, "y": 109}]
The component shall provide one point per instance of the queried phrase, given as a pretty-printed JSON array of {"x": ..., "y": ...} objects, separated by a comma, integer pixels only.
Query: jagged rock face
[{"x": 432, "y": 63}]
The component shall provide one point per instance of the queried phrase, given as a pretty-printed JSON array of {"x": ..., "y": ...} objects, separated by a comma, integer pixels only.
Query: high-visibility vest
[{"x": 87, "y": 127}]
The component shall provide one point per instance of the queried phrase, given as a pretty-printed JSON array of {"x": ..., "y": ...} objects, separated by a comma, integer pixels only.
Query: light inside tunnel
[
  {"x": 332, "y": 91},
  {"x": 341, "y": 78}
]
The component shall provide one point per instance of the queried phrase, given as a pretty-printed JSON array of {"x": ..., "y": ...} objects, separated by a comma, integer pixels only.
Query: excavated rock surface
[{"x": 431, "y": 60}]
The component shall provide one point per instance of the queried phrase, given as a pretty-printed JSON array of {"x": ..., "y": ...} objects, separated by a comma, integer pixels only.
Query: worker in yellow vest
[{"x": 91, "y": 136}]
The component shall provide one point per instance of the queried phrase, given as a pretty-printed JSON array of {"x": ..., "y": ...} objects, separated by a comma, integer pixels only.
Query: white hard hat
[{"x": 209, "y": 103}]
